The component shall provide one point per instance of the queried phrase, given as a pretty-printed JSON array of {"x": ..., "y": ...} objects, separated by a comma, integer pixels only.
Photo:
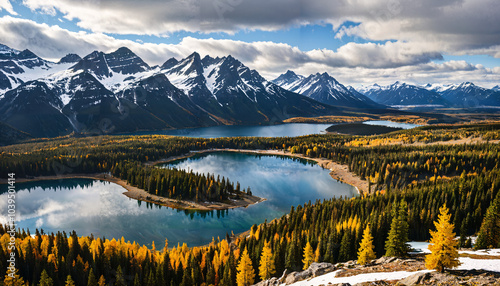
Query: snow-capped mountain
[
  {"x": 232, "y": 93},
  {"x": 119, "y": 92},
  {"x": 70, "y": 58},
  {"x": 288, "y": 79},
  {"x": 157, "y": 95},
  {"x": 403, "y": 94},
  {"x": 323, "y": 88},
  {"x": 18, "y": 67},
  {"x": 467, "y": 95},
  {"x": 34, "y": 108},
  {"x": 496, "y": 88}
]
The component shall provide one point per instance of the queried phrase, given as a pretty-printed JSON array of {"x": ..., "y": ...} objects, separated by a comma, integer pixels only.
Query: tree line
[{"x": 464, "y": 178}]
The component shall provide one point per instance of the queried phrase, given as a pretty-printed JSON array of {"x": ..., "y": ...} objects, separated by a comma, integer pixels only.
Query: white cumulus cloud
[
  {"x": 7, "y": 6},
  {"x": 352, "y": 63}
]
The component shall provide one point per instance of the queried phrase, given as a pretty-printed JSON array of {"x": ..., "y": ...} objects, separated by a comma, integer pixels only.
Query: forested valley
[{"x": 410, "y": 182}]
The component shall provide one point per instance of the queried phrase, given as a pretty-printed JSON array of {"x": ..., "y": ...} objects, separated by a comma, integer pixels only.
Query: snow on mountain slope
[
  {"x": 437, "y": 87},
  {"x": 288, "y": 80},
  {"x": 229, "y": 90},
  {"x": 17, "y": 67},
  {"x": 115, "y": 70},
  {"x": 467, "y": 94},
  {"x": 324, "y": 88},
  {"x": 402, "y": 94}
]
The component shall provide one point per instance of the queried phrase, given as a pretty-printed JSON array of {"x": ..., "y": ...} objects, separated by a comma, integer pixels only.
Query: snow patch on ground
[
  {"x": 483, "y": 264},
  {"x": 420, "y": 247},
  {"x": 367, "y": 277}
]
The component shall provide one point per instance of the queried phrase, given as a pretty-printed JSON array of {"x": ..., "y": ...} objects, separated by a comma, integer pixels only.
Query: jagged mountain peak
[
  {"x": 169, "y": 63},
  {"x": 467, "y": 95},
  {"x": 122, "y": 61},
  {"x": 323, "y": 88},
  {"x": 4, "y": 49},
  {"x": 288, "y": 79},
  {"x": 70, "y": 58},
  {"x": 27, "y": 54},
  {"x": 404, "y": 94},
  {"x": 208, "y": 60},
  {"x": 123, "y": 51},
  {"x": 290, "y": 73},
  {"x": 194, "y": 57}
]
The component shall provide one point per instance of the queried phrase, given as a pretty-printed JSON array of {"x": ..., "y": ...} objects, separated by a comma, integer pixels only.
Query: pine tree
[
  {"x": 397, "y": 241},
  {"x": 266, "y": 268},
  {"x": 246, "y": 274},
  {"x": 137, "y": 281},
  {"x": 489, "y": 233},
  {"x": 45, "y": 280},
  {"x": 443, "y": 245},
  {"x": 91, "y": 281},
  {"x": 345, "y": 246},
  {"x": 366, "y": 253},
  {"x": 186, "y": 277},
  {"x": 102, "y": 281},
  {"x": 69, "y": 281},
  {"x": 120, "y": 280},
  {"x": 291, "y": 260},
  {"x": 308, "y": 256}
]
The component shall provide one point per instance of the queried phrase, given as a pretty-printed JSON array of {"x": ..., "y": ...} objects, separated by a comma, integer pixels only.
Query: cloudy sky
[{"x": 356, "y": 41}]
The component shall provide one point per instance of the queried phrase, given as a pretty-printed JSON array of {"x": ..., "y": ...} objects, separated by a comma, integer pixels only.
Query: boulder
[
  {"x": 273, "y": 281},
  {"x": 293, "y": 277},
  {"x": 414, "y": 279},
  {"x": 320, "y": 268},
  {"x": 385, "y": 259}
]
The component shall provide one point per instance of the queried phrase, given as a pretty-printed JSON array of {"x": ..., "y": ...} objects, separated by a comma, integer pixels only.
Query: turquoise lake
[
  {"x": 99, "y": 208},
  {"x": 281, "y": 130}
]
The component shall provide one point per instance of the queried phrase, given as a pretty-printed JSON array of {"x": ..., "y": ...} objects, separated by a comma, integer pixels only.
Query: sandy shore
[
  {"x": 140, "y": 194},
  {"x": 337, "y": 171}
]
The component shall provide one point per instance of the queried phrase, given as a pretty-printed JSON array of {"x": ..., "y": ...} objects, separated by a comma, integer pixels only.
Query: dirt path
[
  {"x": 140, "y": 194},
  {"x": 337, "y": 171}
]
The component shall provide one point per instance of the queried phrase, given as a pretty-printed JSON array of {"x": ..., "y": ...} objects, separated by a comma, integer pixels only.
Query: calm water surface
[
  {"x": 281, "y": 130},
  {"x": 391, "y": 124},
  {"x": 100, "y": 208}
]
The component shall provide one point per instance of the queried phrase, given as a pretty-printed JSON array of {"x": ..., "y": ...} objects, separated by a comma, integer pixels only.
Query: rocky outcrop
[
  {"x": 453, "y": 277},
  {"x": 316, "y": 269}
]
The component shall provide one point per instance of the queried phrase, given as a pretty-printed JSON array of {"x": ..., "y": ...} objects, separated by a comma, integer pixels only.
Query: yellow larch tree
[
  {"x": 366, "y": 253},
  {"x": 266, "y": 267},
  {"x": 443, "y": 245},
  {"x": 102, "y": 281},
  {"x": 13, "y": 281},
  {"x": 246, "y": 273},
  {"x": 308, "y": 256}
]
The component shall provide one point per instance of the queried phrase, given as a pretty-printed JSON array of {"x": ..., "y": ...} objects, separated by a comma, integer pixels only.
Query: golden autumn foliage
[
  {"x": 443, "y": 245},
  {"x": 266, "y": 268},
  {"x": 246, "y": 273},
  {"x": 366, "y": 252},
  {"x": 308, "y": 256}
]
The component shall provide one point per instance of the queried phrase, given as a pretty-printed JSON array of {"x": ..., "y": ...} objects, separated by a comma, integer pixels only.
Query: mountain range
[
  {"x": 464, "y": 95},
  {"x": 119, "y": 92},
  {"x": 324, "y": 88}
]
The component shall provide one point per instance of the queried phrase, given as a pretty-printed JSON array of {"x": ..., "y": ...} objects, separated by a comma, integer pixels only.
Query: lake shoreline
[
  {"x": 338, "y": 171},
  {"x": 141, "y": 195}
]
